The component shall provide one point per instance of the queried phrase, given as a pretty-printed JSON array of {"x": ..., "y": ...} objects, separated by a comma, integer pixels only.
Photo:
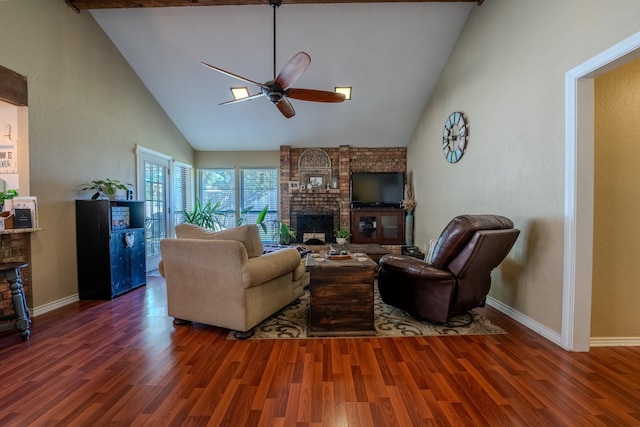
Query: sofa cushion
[{"x": 248, "y": 235}]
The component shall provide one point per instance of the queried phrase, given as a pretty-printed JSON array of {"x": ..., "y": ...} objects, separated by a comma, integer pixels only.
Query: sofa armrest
[
  {"x": 204, "y": 281},
  {"x": 269, "y": 266},
  {"x": 203, "y": 263}
]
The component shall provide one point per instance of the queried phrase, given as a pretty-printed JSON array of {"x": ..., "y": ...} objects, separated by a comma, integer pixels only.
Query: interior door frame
[
  {"x": 142, "y": 154},
  {"x": 579, "y": 188}
]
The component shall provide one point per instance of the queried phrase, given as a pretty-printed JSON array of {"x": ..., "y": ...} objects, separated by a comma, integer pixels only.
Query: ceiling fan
[{"x": 279, "y": 89}]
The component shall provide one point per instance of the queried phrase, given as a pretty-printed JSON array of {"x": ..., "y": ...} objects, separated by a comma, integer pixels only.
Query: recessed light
[
  {"x": 345, "y": 90},
  {"x": 240, "y": 92}
]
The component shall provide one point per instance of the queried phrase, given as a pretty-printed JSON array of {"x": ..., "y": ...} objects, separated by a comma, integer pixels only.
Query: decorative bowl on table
[{"x": 336, "y": 255}]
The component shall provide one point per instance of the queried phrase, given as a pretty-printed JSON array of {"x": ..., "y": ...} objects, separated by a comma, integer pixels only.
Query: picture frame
[
  {"x": 316, "y": 181},
  {"x": 293, "y": 185}
]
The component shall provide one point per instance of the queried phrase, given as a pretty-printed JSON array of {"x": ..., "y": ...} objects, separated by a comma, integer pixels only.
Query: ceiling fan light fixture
[
  {"x": 280, "y": 88},
  {"x": 239, "y": 92},
  {"x": 345, "y": 90}
]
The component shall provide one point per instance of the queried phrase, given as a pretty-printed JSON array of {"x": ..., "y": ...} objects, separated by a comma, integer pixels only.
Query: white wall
[
  {"x": 87, "y": 111},
  {"x": 507, "y": 74}
]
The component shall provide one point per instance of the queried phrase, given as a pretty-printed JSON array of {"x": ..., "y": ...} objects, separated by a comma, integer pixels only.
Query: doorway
[
  {"x": 15, "y": 125},
  {"x": 579, "y": 190},
  {"x": 153, "y": 186}
]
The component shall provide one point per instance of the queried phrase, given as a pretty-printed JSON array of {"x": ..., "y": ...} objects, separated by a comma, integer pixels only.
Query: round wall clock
[{"x": 455, "y": 137}]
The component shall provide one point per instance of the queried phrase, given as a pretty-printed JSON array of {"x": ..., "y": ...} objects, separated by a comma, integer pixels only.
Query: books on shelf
[{"x": 17, "y": 205}]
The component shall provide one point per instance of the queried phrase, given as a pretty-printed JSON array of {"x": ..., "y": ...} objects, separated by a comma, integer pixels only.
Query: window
[
  {"x": 244, "y": 193},
  {"x": 182, "y": 191},
  {"x": 259, "y": 188},
  {"x": 219, "y": 185}
]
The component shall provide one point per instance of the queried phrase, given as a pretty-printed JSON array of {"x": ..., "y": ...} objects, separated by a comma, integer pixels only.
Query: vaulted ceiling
[{"x": 391, "y": 53}]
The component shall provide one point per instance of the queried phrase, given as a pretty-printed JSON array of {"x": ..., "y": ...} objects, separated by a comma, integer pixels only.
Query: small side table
[{"x": 21, "y": 318}]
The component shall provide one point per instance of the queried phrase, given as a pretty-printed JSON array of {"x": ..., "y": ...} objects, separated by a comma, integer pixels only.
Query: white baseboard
[
  {"x": 37, "y": 311},
  {"x": 536, "y": 327},
  {"x": 615, "y": 342},
  {"x": 554, "y": 336}
]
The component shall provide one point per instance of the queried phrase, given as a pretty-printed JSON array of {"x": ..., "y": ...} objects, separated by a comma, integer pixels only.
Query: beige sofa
[{"x": 223, "y": 279}]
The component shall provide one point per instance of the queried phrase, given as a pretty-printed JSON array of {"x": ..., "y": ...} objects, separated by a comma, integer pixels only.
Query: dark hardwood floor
[{"x": 123, "y": 363}]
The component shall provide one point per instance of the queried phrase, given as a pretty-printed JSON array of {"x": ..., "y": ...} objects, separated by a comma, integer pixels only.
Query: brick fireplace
[
  {"x": 332, "y": 198},
  {"x": 314, "y": 226}
]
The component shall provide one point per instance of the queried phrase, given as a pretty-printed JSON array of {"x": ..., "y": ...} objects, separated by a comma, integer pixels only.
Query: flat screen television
[{"x": 385, "y": 189}]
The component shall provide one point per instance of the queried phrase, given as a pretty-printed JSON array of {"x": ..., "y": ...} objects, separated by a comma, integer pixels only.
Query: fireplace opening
[{"x": 314, "y": 229}]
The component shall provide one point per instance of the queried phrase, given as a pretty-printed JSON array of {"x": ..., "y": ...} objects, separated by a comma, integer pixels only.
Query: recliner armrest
[{"x": 413, "y": 267}]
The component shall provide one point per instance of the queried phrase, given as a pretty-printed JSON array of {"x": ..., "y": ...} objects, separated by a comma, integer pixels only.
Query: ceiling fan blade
[
  {"x": 293, "y": 70},
  {"x": 286, "y": 108},
  {"x": 315, "y": 95},
  {"x": 248, "y": 98},
  {"x": 235, "y": 76}
]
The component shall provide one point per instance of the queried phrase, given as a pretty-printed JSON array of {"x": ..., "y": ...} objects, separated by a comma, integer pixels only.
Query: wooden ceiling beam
[
  {"x": 13, "y": 87},
  {"x": 120, "y": 4}
]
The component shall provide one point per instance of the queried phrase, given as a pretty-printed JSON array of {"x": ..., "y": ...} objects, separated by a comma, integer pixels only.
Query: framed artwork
[
  {"x": 316, "y": 181},
  {"x": 293, "y": 185},
  {"x": 8, "y": 157}
]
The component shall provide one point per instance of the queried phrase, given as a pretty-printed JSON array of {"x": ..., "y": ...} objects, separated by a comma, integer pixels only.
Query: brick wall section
[
  {"x": 285, "y": 177},
  {"x": 301, "y": 201},
  {"x": 344, "y": 160},
  {"x": 15, "y": 247},
  {"x": 344, "y": 171},
  {"x": 377, "y": 160}
]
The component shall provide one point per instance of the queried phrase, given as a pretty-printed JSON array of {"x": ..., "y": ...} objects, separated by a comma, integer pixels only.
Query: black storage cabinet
[{"x": 110, "y": 244}]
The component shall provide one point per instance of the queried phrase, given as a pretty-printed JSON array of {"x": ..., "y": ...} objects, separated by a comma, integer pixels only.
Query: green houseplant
[
  {"x": 281, "y": 231},
  {"x": 341, "y": 235},
  {"x": 7, "y": 195},
  {"x": 285, "y": 233},
  {"x": 208, "y": 215},
  {"x": 105, "y": 188},
  {"x": 259, "y": 221}
]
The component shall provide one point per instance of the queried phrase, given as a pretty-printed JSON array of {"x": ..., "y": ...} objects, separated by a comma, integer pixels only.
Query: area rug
[{"x": 291, "y": 322}]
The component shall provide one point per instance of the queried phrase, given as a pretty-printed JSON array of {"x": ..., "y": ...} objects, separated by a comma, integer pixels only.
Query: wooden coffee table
[
  {"x": 341, "y": 295},
  {"x": 373, "y": 250}
]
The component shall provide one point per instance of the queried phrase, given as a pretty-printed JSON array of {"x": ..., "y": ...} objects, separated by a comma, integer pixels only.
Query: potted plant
[
  {"x": 208, "y": 215},
  {"x": 408, "y": 204},
  {"x": 105, "y": 188},
  {"x": 286, "y": 234},
  {"x": 259, "y": 221},
  {"x": 281, "y": 233},
  {"x": 7, "y": 195},
  {"x": 342, "y": 235}
]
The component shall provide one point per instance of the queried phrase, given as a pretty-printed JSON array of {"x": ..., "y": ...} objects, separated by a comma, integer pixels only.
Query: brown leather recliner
[{"x": 459, "y": 275}]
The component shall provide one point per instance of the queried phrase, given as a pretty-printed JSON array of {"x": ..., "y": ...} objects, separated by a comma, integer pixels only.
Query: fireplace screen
[{"x": 314, "y": 229}]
